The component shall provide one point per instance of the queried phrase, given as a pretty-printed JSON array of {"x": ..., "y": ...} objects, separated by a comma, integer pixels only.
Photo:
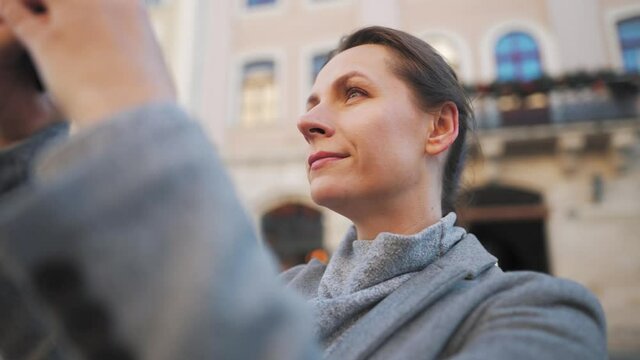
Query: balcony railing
[{"x": 577, "y": 98}]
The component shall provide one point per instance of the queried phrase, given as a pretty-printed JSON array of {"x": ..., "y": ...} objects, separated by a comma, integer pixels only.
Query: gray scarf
[{"x": 363, "y": 272}]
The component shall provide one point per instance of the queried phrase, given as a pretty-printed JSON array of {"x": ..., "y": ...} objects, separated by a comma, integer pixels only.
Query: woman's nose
[{"x": 315, "y": 124}]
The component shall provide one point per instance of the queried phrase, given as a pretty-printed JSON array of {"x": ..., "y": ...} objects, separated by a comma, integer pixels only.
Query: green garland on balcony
[{"x": 620, "y": 85}]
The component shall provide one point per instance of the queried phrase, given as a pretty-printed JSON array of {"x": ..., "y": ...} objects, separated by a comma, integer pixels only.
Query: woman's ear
[{"x": 443, "y": 130}]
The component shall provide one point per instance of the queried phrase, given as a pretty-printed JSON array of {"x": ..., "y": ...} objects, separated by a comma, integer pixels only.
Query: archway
[
  {"x": 294, "y": 232},
  {"x": 510, "y": 224}
]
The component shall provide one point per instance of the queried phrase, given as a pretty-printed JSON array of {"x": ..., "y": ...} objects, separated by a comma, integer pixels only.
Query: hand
[{"x": 96, "y": 57}]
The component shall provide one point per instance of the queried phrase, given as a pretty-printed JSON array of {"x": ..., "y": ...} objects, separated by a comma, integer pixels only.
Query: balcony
[{"x": 572, "y": 99}]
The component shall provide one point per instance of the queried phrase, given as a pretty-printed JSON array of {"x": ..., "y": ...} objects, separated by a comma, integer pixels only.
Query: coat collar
[{"x": 466, "y": 260}]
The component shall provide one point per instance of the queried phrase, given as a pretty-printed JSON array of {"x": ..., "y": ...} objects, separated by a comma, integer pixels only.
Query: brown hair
[{"x": 433, "y": 82}]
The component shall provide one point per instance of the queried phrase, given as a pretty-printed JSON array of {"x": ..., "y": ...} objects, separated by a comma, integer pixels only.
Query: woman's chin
[{"x": 329, "y": 196}]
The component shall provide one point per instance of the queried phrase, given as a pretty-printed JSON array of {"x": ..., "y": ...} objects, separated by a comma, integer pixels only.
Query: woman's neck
[{"x": 407, "y": 215}]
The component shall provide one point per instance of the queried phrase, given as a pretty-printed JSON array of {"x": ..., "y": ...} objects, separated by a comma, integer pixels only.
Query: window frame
[
  {"x": 521, "y": 64},
  {"x": 312, "y": 5},
  {"x": 306, "y": 66},
  {"x": 244, "y": 10},
  {"x": 611, "y": 19},
  {"x": 465, "y": 72},
  {"x": 547, "y": 47},
  {"x": 237, "y": 79},
  {"x": 636, "y": 67},
  {"x": 267, "y": 4}
]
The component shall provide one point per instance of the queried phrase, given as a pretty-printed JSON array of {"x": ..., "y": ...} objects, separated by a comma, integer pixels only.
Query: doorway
[
  {"x": 294, "y": 232},
  {"x": 510, "y": 224}
]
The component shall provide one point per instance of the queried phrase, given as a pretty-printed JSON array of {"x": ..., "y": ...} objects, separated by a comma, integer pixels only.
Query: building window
[
  {"x": 518, "y": 57},
  {"x": 445, "y": 47},
  {"x": 319, "y": 4},
  {"x": 253, "y": 3},
  {"x": 155, "y": 2},
  {"x": 629, "y": 37},
  {"x": 317, "y": 62},
  {"x": 259, "y": 93}
]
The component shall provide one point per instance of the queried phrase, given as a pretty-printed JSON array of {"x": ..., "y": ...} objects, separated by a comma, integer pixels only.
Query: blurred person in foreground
[{"x": 125, "y": 241}]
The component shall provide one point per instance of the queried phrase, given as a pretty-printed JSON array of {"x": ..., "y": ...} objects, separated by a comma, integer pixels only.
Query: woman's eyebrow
[
  {"x": 351, "y": 74},
  {"x": 313, "y": 99}
]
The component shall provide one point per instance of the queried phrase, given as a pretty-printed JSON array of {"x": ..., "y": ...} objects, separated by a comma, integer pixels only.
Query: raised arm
[{"x": 131, "y": 234}]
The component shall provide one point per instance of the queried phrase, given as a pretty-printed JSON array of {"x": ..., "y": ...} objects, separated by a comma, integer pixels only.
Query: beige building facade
[{"x": 568, "y": 148}]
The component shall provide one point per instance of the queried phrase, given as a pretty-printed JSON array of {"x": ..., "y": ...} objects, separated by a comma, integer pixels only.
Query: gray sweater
[
  {"x": 440, "y": 294},
  {"x": 130, "y": 243}
]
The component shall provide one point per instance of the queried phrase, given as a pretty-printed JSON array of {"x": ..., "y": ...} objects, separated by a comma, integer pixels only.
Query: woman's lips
[
  {"x": 319, "y": 163},
  {"x": 320, "y": 158}
]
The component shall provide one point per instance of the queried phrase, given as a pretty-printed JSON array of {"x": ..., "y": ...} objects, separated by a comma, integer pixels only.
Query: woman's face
[{"x": 366, "y": 134}]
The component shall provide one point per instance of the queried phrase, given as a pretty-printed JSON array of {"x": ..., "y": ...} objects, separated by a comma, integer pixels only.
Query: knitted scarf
[{"x": 363, "y": 272}]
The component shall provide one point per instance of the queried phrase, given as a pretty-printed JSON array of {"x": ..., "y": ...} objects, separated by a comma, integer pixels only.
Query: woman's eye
[{"x": 353, "y": 93}]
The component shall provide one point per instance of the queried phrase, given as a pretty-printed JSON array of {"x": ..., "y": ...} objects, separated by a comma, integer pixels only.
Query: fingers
[{"x": 24, "y": 18}]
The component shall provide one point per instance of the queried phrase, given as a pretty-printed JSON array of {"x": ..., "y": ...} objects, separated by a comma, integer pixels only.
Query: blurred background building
[{"x": 554, "y": 181}]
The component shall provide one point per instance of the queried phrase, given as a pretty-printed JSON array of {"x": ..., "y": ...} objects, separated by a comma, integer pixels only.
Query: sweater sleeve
[
  {"x": 133, "y": 240},
  {"x": 539, "y": 318}
]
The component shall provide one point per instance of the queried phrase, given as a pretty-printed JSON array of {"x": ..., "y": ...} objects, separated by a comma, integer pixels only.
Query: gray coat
[{"x": 440, "y": 294}]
